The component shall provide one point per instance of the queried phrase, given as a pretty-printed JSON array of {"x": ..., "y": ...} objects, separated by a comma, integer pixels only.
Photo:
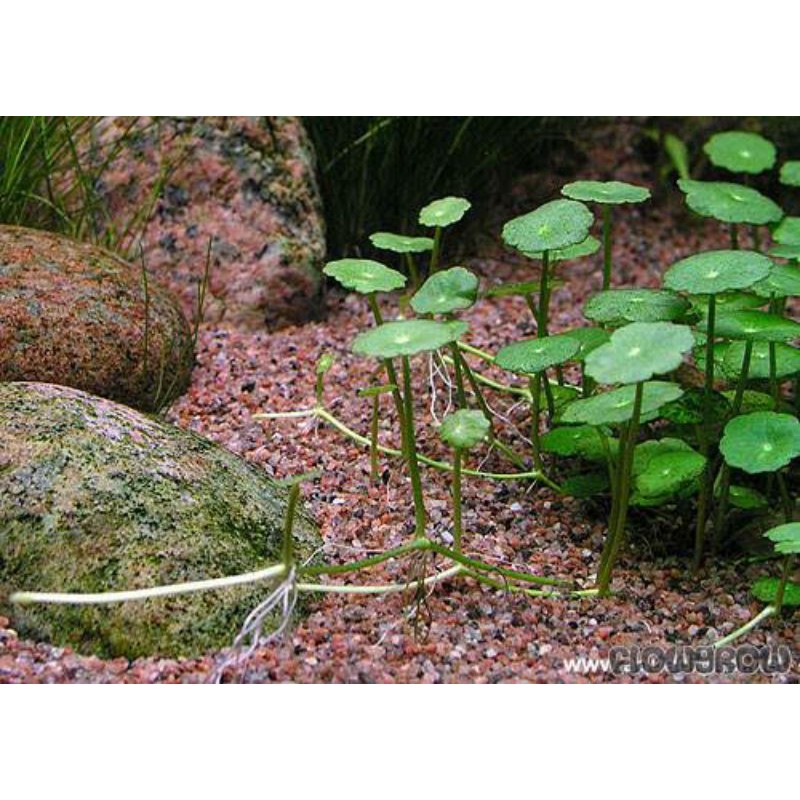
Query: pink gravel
[{"x": 467, "y": 633}]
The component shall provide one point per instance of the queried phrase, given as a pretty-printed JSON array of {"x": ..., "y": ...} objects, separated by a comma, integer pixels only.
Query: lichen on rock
[{"x": 96, "y": 497}]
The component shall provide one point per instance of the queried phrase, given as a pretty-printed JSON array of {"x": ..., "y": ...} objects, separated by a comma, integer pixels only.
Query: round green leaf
[
  {"x": 588, "y": 247},
  {"x": 782, "y": 281},
  {"x": 756, "y": 325},
  {"x": 729, "y": 202},
  {"x": 786, "y": 538},
  {"x": 738, "y": 151},
  {"x": 616, "y": 406},
  {"x": 746, "y": 498},
  {"x": 365, "y": 276},
  {"x": 464, "y": 429},
  {"x": 766, "y": 590},
  {"x": 579, "y": 440},
  {"x": 588, "y": 339},
  {"x": 787, "y": 231},
  {"x": 612, "y": 192},
  {"x": 717, "y": 271},
  {"x": 553, "y": 226},
  {"x": 398, "y": 243},
  {"x": 446, "y": 291},
  {"x": 790, "y": 251},
  {"x": 521, "y": 289},
  {"x": 444, "y": 212},
  {"x": 761, "y": 442},
  {"x": 639, "y": 351},
  {"x": 690, "y": 408},
  {"x": 377, "y": 391},
  {"x": 588, "y": 484},
  {"x": 532, "y": 356},
  {"x": 730, "y": 301},
  {"x": 407, "y": 337},
  {"x": 635, "y": 305},
  {"x": 645, "y": 452},
  {"x": 751, "y": 400},
  {"x": 790, "y": 173},
  {"x": 670, "y": 472},
  {"x": 787, "y": 360}
]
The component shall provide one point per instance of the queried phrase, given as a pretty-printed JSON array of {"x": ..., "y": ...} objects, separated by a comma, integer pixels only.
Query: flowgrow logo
[{"x": 705, "y": 660}]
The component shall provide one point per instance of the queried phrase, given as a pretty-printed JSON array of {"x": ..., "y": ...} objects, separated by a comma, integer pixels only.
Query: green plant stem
[
  {"x": 411, "y": 451},
  {"x": 781, "y": 590},
  {"x": 535, "y": 388},
  {"x": 458, "y": 530},
  {"x": 413, "y": 272},
  {"x": 374, "y": 466},
  {"x": 415, "y": 545},
  {"x": 734, "y": 236},
  {"x": 707, "y": 483},
  {"x": 326, "y": 416},
  {"x": 287, "y": 544},
  {"x": 756, "y": 239},
  {"x": 624, "y": 479},
  {"x": 461, "y": 395},
  {"x": 488, "y": 382},
  {"x": 477, "y": 352},
  {"x": 487, "y": 413},
  {"x": 391, "y": 373},
  {"x": 725, "y": 472},
  {"x": 437, "y": 243},
  {"x": 544, "y": 296},
  {"x": 746, "y": 628},
  {"x": 607, "y": 246},
  {"x": 614, "y": 473},
  {"x": 511, "y": 574}
]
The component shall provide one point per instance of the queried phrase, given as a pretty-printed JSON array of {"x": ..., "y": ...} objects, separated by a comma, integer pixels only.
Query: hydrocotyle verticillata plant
[
  {"x": 710, "y": 274},
  {"x": 606, "y": 194},
  {"x": 438, "y": 215},
  {"x": 634, "y": 354},
  {"x": 462, "y": 430}
]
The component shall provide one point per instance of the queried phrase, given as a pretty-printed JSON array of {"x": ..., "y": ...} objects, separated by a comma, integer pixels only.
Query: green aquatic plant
[
  {"x": 438, "y": 215},
  {"x": 607, "y": 194},
  {"x": 634, "y": 354},
  {"x": 533, "y": 358},
  {"x": 740, "y": 151},
  {"x": 616, "y": 307},
  {"x": 405, "y": 339},
  {"x": 710, "y": 274},
  {"x": 408, "y": 246},
  {"x": 790, "y": 173},
  {"x": 731, "y": 203},
  {"x": 462, "y": 430},
  {"x": 553, "y": 226}
]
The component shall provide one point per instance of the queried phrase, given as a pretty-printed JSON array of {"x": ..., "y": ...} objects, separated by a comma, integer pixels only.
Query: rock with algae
[{"x": 95, "y": 497}]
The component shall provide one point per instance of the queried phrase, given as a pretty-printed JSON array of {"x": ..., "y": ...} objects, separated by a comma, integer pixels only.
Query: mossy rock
[
  {"x": 78, "y": 315},
  {"x": 97, "y": 497}
]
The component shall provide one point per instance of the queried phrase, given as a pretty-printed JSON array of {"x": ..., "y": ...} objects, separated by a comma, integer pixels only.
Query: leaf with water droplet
[
  {"x": 606, "y": 192},
  {"x": 764, "y": 441},
  {"x": 365, "y": 276},
  {"x": 553, "y": 226},
  {"x": 639, "y": 351},
  {"x": 740, "y": 151},
  {"x": 446, "y": 291},
  {"x": 729, "y": 202},
  {"x": 444, "y": 212}
]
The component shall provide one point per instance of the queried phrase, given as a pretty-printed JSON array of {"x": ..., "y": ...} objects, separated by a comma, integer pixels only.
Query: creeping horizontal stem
[{"x": 334, "y": 422}]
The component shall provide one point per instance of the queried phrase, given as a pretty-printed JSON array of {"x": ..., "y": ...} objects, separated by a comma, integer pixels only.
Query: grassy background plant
[{"x": 375, "y": 172}]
